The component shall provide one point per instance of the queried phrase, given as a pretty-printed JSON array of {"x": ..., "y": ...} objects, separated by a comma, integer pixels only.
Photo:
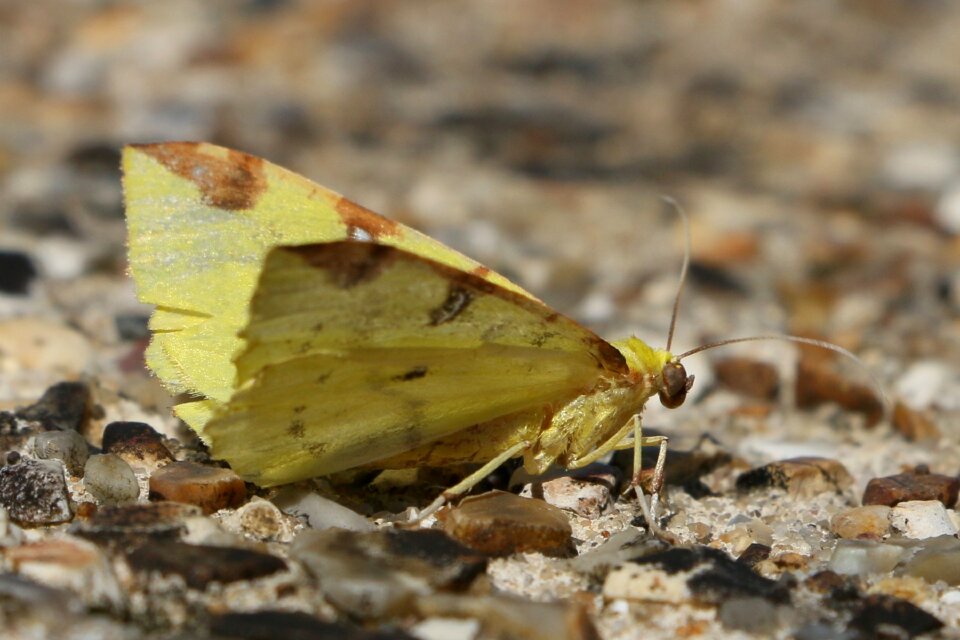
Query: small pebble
[
  {"x": 801, "y": 477},
  {"x": 35, "y": 492},
  {"x": 929, "y": 383},
  {"x": 62, "y": 407},
  {"x": 110, "y": 479},
  {"x": 200, "y": 565},
  {"x": 871, "y": 522},
  {"x": 587, "y": 492},
  {"x": 446, "y": 629},
  {"x": 136, "y": 442},
  {"x": 919, "y": 519},
  {"x": 261, "y": 519},
  {"x": 319, "y": 512},
  {"x": 210, "y": 488},
  {"x": 753, "y": 378},
  {"x": 922, "y": 485},
  {"x": 67, "y": 446},
  {"x": 501, "y": 524},
  {"x": 862, "y": 557}
]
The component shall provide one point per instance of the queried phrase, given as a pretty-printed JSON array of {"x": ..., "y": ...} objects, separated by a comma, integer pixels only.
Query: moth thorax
[{"x": 674, "y": 385}]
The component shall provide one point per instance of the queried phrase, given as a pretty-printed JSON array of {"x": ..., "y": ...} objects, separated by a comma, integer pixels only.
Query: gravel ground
[{"x": 816, "y": 147}]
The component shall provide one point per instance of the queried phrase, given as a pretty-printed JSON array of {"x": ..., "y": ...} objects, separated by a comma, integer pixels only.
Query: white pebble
[
  {"x": 920, "y": 519},
  {"x": 110, "y": 479}
]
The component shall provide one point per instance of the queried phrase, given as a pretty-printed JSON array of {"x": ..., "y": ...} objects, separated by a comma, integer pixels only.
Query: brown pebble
[
  {"x": 827, "y": 581},
  {"x": 137, "y": 443},
  {"x": 749, "y": 377},
  {"x": 803, "y": 476},
  {"x": 914, "y": 425},
  {"x": 871, "y": 522},
  {"x": 892, "y": 490},
  {"x": 819, "y": 382},
  {"x": 500, "y": 524},
  {"x": 210, "y": 488}
]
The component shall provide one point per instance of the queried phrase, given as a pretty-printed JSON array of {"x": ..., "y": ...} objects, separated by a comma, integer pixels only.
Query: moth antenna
[
  {"x": 670, "y": 202},
  {"x": 823, "y": 344}
]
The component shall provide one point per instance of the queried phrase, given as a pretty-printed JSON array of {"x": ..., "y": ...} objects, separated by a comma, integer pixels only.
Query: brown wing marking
[
  {"x": 234, "y": 182},
  {"x": 363, "y": 224}
]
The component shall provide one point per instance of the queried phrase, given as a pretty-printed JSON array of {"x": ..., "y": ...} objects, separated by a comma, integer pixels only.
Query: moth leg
[
  {"x": 638, "y": 441},
  {"x": 471, "y": 480}
]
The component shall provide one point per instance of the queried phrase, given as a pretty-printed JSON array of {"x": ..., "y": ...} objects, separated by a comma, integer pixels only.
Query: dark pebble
[
  {"x": 878, "y": 613},
  {"x": 129, "y": 525},
  {"x": 754, "y": 554},
  {"x": 63, "y": 406},
  {"x": 892, "y": 490},
  {"x": 818, "y": 382},
  {"x": 292, "y": 625},
  {"x": 135, "y": 441},
  {"x": 16, "y": 272},
  {"x": 716, "y": 576},
  {"x": 199, "y": 565},
  {"x": 34, "y": 492}
]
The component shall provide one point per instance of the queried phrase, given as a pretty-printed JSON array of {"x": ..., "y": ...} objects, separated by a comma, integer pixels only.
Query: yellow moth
[{"x": 317, "y": 336}]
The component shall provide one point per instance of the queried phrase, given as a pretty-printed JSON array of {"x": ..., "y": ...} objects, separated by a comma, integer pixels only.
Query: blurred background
[{"x": 816, "y": 146}]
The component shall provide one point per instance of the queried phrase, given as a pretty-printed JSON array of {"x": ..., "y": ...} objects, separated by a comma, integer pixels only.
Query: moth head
[{"x": 674, "y": 384}]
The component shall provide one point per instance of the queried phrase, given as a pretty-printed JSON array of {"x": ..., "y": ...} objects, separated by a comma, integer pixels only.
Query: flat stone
[
  {"x": 938, "y": 560},
  {"x": 68, "y": 563},
  {"x": 34, "y": 492},
  {"x": 863, "y": 557},
  {"x": 381, "y": 573},
  {"x": 129, "y": 525},
  {"x": 110, "y": 479},
  {"x": 319, "y": 512},
  {"x": 67, "y": 446},
  {"x": 801, "y": 477},
  {"x": 136, "y": 442},
  {"x": 293, "y": 625},
  {"x": 65, "y": 405},
  {"x": 589, "y": 492},
  {"x": 918, "y": 485},
  {"x": 753, "y": 378},
  {"x": 871, "y": 522},
  {"x": 919, "y": 519},
  {"x": 210, "y": 488},
  {"x": 200, "y": 565},
  {"x": 499, "y": 523}
]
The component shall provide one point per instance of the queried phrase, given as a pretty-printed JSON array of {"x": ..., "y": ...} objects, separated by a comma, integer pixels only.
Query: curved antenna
[
  {"x": 670, "y": 202},
  {"x": 823, "y": 344}
]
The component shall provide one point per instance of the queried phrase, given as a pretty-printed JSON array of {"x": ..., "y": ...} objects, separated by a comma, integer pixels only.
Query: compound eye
[{"x": 675, "y": 384}]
